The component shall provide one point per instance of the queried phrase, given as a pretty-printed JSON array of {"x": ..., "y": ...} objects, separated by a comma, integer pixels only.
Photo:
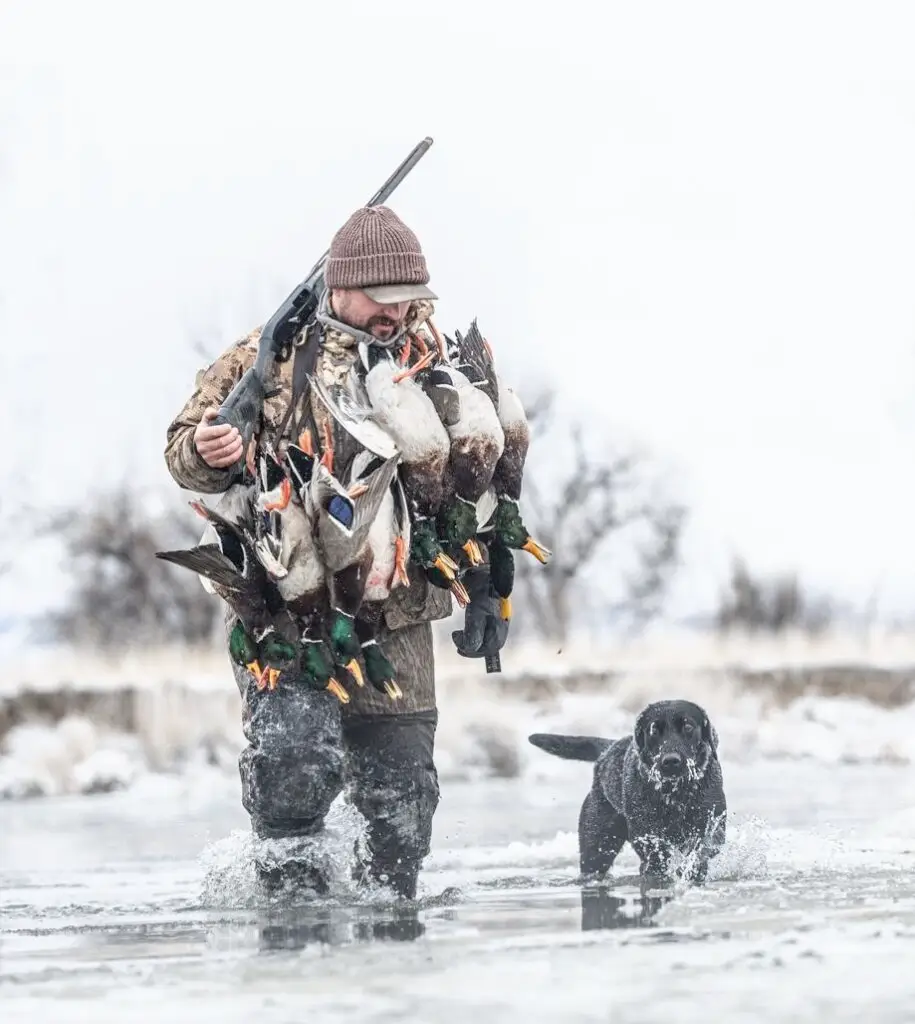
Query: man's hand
[
  {"x": 485, "y": 631},
  {"x": 219, "y": 446}
]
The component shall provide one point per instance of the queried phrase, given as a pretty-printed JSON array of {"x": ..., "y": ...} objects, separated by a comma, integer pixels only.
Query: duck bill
[
  {"x": 355, "y": 670},
  {"x": 539, "y": 552},
  {"x": 255, "y": 669},
  {"x": 460, "y": 592},
  {"x": 337, "y": 690},
  {"x": 446, "y": 566},
  {"x": 271, "y": 675},
  {"x": 392, "y": 689},
  {"x": 472, "y": 550},
  {"x": 505, "y": 608}
]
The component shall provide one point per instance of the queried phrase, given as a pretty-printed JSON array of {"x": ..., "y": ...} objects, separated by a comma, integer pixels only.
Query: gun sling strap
[{"x": 304, "y": 361}]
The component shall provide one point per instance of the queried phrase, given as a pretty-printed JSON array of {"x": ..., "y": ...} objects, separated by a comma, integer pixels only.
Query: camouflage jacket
[{"x": 420, "y": 602}]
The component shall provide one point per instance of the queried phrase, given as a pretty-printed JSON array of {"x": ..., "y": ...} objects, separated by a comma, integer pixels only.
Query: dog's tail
[{"x": 572, "y": 748}]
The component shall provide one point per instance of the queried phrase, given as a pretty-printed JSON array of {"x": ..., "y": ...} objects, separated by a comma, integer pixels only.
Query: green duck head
[
  {"x": 276, "y": 655},
  {"x": 344, "y": 645},
  {"x": 426, "y": 550},
  {"x": 242, "y": 648},
  {"x": 276, "y": 651},
  {"x": 511, "y": 531},
  {"x": 457, "y": 526},
  {"x": 318, "y": 669},
  {"x": 380, "y": 670}
]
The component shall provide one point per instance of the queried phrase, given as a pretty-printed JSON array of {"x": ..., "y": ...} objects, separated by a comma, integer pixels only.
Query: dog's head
[{"x": 676, "y": 742}]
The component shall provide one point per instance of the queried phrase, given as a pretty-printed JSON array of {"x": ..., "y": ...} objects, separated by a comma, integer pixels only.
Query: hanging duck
[
  {"x": 302, "y": 581},
  {"x": 477, "y": 442},
  {"x": 508, "y": 477},
  {"x": 344, "y": 516},
  {"x": 263, "y": 638},
  {"x": 389, "y": 542}
]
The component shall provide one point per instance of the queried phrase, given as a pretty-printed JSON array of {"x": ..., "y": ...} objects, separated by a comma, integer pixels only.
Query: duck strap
[{"x": 304, "y": 362}]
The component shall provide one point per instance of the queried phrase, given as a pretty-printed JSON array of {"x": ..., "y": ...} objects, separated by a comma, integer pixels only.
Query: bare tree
[
  {"x": 771, "y": 605},
  {"x": 578, "y": 510},
  {"x": 122, "y": 595}
]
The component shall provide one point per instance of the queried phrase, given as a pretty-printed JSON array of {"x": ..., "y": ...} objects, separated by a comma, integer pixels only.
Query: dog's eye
[
  {"x": 688, "y": 727},
  {"x": 654, "y": 729}
]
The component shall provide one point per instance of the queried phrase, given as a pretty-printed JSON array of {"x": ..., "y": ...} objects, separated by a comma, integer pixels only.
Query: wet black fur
[{"x": 631, "y": 800}]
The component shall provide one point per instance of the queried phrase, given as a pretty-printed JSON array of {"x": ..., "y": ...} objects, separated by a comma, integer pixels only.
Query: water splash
[{"x": 230, "y": 879}]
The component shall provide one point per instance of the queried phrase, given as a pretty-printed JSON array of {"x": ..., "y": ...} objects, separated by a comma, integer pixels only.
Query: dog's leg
[
  {"x": 654, "y": 858},
  {"x": 602, "y": 832}
]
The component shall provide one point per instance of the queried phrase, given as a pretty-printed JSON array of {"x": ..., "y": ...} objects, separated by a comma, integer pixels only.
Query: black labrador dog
[{"x": 661, "y": 789}]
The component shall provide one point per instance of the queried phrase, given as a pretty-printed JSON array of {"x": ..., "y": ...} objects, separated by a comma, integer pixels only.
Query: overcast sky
[{"x": 698, "y": 220}]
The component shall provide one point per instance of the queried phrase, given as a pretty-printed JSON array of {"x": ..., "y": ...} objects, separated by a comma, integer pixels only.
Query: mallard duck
[
  {"x": 344, "y": 518},
  {"x": 265, "y": 631},
  {"x": 476, "y": 445},
  {"x": 389, "y": 541},
  {"x": 508, "y": 474},
  {"x": 301, "y": 578}
]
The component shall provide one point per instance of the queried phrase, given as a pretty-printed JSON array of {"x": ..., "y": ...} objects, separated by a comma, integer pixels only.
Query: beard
[{"x": 381, "y": 326}]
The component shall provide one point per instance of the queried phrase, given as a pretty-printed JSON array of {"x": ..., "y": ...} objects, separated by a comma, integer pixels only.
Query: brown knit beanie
[{"x": 377, "y": 253}]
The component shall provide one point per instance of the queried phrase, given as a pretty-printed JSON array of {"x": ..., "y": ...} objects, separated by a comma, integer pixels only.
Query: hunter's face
[{"x": 358, "y": 310}]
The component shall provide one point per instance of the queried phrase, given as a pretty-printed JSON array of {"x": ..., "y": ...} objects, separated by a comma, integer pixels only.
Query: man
[{"x": 303, "y": 748}]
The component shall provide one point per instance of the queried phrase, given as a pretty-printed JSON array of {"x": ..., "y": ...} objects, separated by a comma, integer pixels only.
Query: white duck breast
[
  {"x": 406, "y": 412},
  {"x": 382, "y": 541},
  {"x": 299, "y": 554},
  {"x": 477, "y": 438},
  {"x": 509, "y": 470}
]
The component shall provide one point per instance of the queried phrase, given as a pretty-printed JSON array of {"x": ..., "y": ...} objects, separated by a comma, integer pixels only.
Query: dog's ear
[
  {"x": 640, "y": 733},
  {"x": 709, "y": 733}
]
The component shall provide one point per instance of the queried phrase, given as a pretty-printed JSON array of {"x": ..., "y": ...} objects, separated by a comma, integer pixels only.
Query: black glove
[{"x": 485, "y": 631}]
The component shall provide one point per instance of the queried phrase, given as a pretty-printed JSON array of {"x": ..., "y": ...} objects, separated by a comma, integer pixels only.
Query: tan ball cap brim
[{"x": 385, "y": 293}]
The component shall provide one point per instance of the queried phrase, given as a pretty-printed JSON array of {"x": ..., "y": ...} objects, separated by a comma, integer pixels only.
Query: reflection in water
[
  {"x": 601, "y": 908},
  {"x": 337, "y": 928}
]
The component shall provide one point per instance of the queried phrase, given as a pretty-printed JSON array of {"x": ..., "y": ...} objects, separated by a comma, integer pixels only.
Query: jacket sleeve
[{"x": 183, "y": 460}]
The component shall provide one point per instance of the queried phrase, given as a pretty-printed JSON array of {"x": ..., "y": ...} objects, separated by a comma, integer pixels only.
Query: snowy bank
[{"x": 79, "y": 726}]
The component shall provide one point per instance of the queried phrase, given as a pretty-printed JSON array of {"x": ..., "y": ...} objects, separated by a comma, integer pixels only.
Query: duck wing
[
  {"x": 245, "y": 595},
  {"x": 209, "y": 562},
  {"x": 354, "y": 414},
  {"x": 344, "y": 519}
]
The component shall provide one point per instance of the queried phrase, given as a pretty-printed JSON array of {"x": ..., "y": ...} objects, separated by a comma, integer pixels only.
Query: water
[{"x": 809, "y": 915}]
